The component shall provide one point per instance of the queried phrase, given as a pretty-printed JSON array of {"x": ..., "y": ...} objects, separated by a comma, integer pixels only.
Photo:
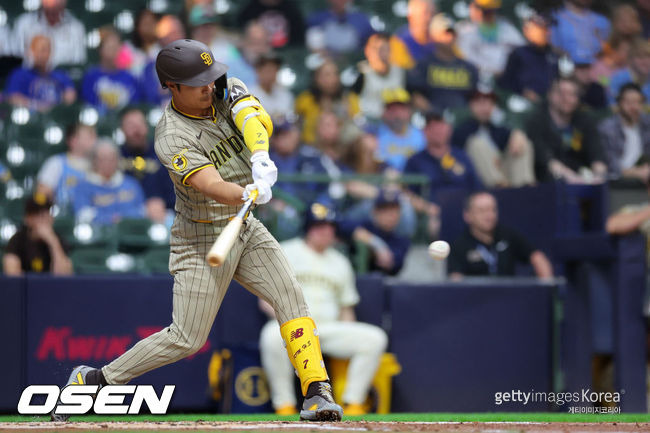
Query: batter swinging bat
[{"x": 217, "y": 254}]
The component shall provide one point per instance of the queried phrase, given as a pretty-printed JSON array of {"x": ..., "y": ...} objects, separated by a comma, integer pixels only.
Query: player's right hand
[{"x": 264, "y": 193}]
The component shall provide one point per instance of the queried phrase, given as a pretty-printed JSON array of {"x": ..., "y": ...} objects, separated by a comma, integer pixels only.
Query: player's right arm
[{"x": 209, "y": 182}]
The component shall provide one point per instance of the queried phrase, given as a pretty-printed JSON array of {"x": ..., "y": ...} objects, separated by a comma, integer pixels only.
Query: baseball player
[
  {"x": 213, "y": 140},
  {"x": 327, "y": 279}
]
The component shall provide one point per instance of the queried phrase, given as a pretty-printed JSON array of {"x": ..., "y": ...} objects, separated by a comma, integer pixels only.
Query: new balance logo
[{"x": 296, "y": 334}]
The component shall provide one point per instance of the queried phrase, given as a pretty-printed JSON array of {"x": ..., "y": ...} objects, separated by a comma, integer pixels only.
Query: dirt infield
[{"x": 347, "y": 426}]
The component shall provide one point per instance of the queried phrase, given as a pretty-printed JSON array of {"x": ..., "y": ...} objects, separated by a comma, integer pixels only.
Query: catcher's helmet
[{"x": 189, "y": 62}]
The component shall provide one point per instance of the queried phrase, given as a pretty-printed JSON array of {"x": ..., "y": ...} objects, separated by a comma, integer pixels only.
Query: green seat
[
  {"x": 101, "y": 261},
  {"x": 138, "y": 234},
  {"x": 156, "y": 260},
  {"x": 89, "y": 236},
  {"x": 90, "y": 260}
]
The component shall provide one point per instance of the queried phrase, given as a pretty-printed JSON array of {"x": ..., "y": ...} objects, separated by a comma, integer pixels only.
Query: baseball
[{"x": 439, "y": 250}]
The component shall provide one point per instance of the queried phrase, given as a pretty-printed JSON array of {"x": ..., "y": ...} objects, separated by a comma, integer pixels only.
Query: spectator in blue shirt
[
  {"x": 442, "y": 80},
  {"x": 139, "y": 160},
  {"x": 638, "y": 71},
  {"x": 445, "y": 166},
  {"x": 60, "y": 174},
  {"x": 579, "y": 31},
  {"x": 397, "y": 138},
  {"x": 107, "y": 195},
  {"x": 344, "y": 30},
  {"x": 292, "y": 158},
  {"x": 37, "y": 86},
  {"x": 411, "y": 42},
  {"x": 379, "y": 233},
  {"x": 105, "y": 86},
  {"x": 531, "y": 68}
]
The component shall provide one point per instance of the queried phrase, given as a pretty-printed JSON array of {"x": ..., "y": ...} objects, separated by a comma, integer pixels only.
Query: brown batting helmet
[{"x": 188, "y": 62}]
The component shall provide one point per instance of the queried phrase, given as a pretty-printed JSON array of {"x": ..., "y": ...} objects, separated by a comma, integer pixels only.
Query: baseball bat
[{"x": 217, "y": 254}]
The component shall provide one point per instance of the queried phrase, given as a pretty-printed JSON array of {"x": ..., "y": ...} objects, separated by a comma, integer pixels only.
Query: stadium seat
[
  {"x": 156, "y": 260},
  {"x": 137, "y": 235},
  {"x": 102, "y": 260}
]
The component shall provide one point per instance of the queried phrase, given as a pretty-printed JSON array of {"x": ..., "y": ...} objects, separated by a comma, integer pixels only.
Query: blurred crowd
[{"x": 387, "y": 121}]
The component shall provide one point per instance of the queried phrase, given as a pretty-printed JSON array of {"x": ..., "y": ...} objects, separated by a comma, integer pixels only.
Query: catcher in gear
[{"x": 213, "y": 139}]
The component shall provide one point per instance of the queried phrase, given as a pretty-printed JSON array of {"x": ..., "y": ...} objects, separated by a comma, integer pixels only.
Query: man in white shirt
[
  {"x": 327, "y": 280},
  {"x": 275, "y": 98},
  {"x": 66, "y": 32},
  {"x": 487, "y": 40}
]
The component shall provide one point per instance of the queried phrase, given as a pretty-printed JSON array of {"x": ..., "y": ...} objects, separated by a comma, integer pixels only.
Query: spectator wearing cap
[
  {"x": 376, "y": 74},
  {"x": 379, "y": 232},
  {"x": 53, "y": 20},
  {"x": 592, "y": 94},
  {"x": 38, "y": 86},
  {"x": 35, "y": 247},
  {"x": 489, "y": 249},
  {"x": 578, "y": 31},
  {"x": 282, "y": 20},
  {"x": 276, "y": 99},
  {"x": 60, "y": 174},
  {"x": 564, "y": 137},
  {"x": 204, "y": 27},
  {"x": 412, "y": 42},
  {"x": 445, "y": 166},
  {"x": 325, "y": 93},
  {"x": 626, "y": 136},
  {"x": 105, "y": 86},
  {"x": 138, "y": 159},
  {"x": 292, "y": 158},
  {"x": 107, "y": 195},
  {"x": 397, "y": 138},
  {"x": 502, "y": 156},
  {"x": 343, "y": 28},
  {"x": 531, "y": 68},
  {"x": 638, "y": 71},
  {"x": 487, "y": 39},
  {"x": 442, "y": 79}
]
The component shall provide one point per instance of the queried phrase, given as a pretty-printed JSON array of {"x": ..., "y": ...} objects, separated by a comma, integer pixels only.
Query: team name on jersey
[{"x": 225, "y": 149}]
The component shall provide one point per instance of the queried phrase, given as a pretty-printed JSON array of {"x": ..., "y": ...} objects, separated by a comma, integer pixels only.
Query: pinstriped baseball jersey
[{"x": 186, "y": 144}]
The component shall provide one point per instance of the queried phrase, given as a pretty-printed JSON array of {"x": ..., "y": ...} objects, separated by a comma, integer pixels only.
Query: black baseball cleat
[
  {"x": 78, "y": 376},
  {"x": 319, "y": 404}
]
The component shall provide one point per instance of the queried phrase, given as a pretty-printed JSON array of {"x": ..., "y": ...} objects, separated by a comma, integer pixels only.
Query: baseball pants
[
  {"x": 360, "y": 342},
  {"x": 256, "y": 261}
]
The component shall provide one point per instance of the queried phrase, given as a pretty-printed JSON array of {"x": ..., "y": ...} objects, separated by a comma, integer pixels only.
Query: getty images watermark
[{"x": 607, "y": 401}]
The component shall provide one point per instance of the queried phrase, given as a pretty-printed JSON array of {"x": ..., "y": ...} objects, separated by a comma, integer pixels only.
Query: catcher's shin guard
[{"x": 303, "y": 347}]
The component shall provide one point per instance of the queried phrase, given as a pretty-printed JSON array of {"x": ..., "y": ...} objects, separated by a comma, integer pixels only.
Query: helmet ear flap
[{"x": 221, "y": 87}]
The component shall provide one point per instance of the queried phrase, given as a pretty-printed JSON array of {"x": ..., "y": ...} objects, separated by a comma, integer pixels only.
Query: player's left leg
[
  {"x": 265, "y": 271},
  {"x": 364, "y": 345}
]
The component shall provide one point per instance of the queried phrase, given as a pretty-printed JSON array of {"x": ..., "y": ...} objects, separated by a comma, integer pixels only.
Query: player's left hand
[
  {"x": 264, "y": 193},
  {"x": 264, "y": 168}
]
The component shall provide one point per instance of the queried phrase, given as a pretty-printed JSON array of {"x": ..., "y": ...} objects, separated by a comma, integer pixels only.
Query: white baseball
[{"x": 439, "y": 250}]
